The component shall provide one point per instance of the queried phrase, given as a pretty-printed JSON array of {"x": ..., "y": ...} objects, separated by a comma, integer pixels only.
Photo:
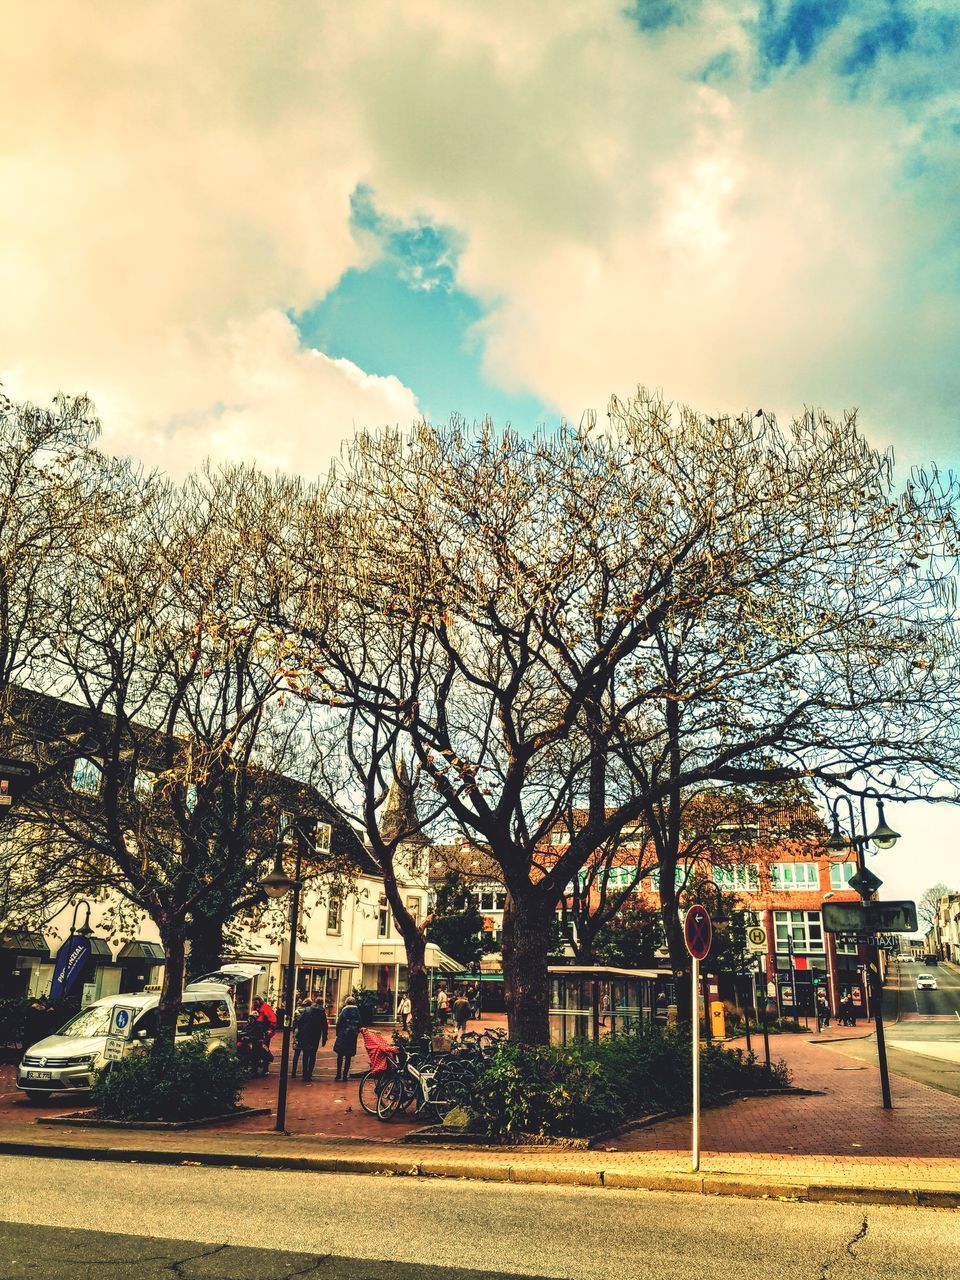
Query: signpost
[
  {"x": 870, "y": 917},
  {"x": 698, "y": 937}
]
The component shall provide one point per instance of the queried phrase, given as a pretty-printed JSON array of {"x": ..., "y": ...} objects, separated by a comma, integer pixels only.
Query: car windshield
[{"x": 92, "y": 1021}]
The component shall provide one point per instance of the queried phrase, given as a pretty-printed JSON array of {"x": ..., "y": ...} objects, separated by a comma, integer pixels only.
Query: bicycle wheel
[
  {"x": 389, "y": 1098},
  {"x": 370, "y": 1085}
]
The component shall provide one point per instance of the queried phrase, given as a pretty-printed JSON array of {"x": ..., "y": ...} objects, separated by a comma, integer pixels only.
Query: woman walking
[{"x": 345, "y": 1045}]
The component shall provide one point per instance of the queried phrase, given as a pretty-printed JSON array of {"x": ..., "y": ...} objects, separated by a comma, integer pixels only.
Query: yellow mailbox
[{"x": 718, "y": 1025}]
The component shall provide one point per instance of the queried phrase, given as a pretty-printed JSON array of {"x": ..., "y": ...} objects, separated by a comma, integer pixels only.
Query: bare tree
[
  {"x": 677, "y": 601},
  {"x": 928, "y": 906}
]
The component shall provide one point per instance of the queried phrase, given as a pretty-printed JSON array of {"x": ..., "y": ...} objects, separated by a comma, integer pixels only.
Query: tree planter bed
[
  {"x": 437, "y": 1134},
  {"x": 90, "y": 1120}
]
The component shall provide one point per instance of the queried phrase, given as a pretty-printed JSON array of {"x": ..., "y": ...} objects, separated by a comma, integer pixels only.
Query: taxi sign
[{"x": 698, "y": 931}]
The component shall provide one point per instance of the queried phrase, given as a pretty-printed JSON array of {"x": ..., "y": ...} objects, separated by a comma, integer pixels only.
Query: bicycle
[{"x": 427, "y": 1082}]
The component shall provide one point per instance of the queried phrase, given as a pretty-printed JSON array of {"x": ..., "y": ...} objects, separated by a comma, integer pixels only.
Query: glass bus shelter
[{"x": 587, "y": 1002}]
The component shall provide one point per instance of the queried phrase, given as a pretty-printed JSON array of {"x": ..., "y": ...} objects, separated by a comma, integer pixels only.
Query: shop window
[
  {"x": 841, "y": 873},
  {"x": 796, "y": 876},
  {"x": 87, "y": 776},
  {"x": 334, "y": 915}
]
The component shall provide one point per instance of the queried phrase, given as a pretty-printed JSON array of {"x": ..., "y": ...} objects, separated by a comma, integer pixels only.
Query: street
[
  {"x": 156, "y": 1218},
  {"x": 922, "y": 1027}
]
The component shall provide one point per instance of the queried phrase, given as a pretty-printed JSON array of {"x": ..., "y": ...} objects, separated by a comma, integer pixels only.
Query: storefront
[
  {"x": 24, "y": 957},
  {"x": 587, "y": 1002},
  {"x": 325, "y": 980},
  {"x": 385, "y": 972}
]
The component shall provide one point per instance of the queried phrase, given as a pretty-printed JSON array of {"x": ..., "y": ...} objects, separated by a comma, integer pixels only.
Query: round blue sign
[{"x": 121, "y": 1019}]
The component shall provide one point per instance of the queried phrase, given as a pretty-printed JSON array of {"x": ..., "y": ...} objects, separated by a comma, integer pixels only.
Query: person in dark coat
[
  {"x": 345, "y": 1045},
  {"x": 311, "y": 1033}
]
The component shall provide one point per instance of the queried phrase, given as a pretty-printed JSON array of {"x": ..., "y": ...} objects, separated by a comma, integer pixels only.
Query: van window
[
  {"x": 148, "y": 1022},
  {"x": 92, "y": 1021},
  {"x": 208, "y": 1014}
]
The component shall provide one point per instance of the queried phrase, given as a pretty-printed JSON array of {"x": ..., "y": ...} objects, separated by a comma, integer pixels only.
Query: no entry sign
[{"x": 698, "y": 931}]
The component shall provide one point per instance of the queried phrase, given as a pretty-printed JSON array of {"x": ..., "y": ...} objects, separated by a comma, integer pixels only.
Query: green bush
[
  {"x": 585, "y": 1087},
  {"x": 182, "y": 1083}
]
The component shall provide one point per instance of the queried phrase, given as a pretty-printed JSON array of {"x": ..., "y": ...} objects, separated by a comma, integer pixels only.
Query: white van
[{"x": 66, "y": 1062}]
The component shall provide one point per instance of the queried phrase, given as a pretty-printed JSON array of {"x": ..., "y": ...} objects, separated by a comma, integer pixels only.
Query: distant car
[
  {"x": 904, "y": 957},
  {"x": 926, "y": 982}
]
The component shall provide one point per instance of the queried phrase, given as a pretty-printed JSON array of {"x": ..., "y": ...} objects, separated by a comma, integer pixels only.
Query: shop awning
[
  {"x": 25, "y": 943},
  {"x": 140, "y": 953},
  {"x": 326, "y": 960},
  {"x": 100, "y": 951},
  {"x": 392, "y": 951}
]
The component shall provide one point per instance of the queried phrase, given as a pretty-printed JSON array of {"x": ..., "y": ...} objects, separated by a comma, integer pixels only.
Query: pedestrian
[
  {"x": 297, "y": 1047},
  {"x": 442, "y": 1005},
  {"x": 461, "y": 1011},
  {"x": 312, "y": 1032},
  {"x": 823, "y": 1009},
  {"x": 345, "y": 1045},
  {"x": 473, "y": 995},
  {"x": 604, "y": 1006},
  {"x": 404, "y": 1008},
  {"x": 263, "y": 1012}
]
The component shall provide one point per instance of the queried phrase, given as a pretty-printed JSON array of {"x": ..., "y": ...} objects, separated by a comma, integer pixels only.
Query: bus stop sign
[{"x": 698, "y": 931}]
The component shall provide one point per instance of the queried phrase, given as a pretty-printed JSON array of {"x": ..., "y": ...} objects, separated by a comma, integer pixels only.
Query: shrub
[
  {"x": 585, "y": 1087},
  {"x": 539, "y": 1089},
  {"x": 182, "y": 1083}
]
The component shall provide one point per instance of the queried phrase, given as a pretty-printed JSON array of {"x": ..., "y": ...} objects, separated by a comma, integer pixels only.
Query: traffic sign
[
  {"x": 865, "y": 883},
  {"x": 121, "y": 1021},
  {"x": 756, "y": 938},
  {"x": 113, "y": 1048},
  {"x": 870, "y": 917},
  {"x": 698, "y": 931}
]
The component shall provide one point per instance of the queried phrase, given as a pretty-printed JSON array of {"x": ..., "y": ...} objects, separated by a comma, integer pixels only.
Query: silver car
[{"x": 926, "y": 982}]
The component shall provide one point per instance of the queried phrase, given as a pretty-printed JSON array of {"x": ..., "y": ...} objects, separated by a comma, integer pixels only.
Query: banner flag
[{"x": 71, "y": 958}]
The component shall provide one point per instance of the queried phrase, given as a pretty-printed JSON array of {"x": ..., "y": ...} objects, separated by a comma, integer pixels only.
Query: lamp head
[
  {"x": 884, "y": 837},
  {"x": 838, "y": 842},
  {"x": 277, "y": 883}
]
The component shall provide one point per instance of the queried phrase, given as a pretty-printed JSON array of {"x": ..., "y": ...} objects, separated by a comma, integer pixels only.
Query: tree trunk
[
  {"x": 417, "y": 986},
  {"x": 526, "y": 944},
  {"x": 205, "y": 936},
  {"x": 173, "y": 938}
]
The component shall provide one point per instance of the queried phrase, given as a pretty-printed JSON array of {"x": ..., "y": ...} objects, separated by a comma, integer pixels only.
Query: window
[
  {"x": 501, "y": 902},
  {"x": 190, "y": 799},
  {"x": 841, "y": 873},
  {"x": 208, "y": 1014},
  {"x": 143, "y": 784},
  {"x": 383, "y": 920},
  {"x": 322, "y": 836},
  {"x": 743, "y": 878},
  {"x": 87, "y": 776},
  {"x": 285, "y": 827},
  {"x": 334, "y": 915},
  {"x": 802, "y": 876},
  {"x": 413, "y": 906},
  {"x": 802, "y": 928},
  {"x": 679, "y": 878},
  {"x": 486, "y": 901}
]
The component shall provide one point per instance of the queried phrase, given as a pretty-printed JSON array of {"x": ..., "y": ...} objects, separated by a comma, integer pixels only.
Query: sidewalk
[{"x": 840, "y": 1146}]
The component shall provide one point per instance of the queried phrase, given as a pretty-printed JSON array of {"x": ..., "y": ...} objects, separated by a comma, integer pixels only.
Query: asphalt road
[
  {"x": 60, "y": 1220},
  {"x": 922, "y": 1028}
]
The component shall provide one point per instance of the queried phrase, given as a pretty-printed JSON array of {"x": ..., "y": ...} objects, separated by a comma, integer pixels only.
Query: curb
[{"x": 458, "y": 1165}]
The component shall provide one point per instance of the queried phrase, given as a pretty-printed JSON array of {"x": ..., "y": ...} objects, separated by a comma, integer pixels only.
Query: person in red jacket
[{"x": 265, "y": 1014}]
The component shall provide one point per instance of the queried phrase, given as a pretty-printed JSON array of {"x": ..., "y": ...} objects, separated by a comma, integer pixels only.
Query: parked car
[
  {"x": 904, "y": 957},
  {"x": 67, "y": 1061},
  {"x": 926, "y": 982}
]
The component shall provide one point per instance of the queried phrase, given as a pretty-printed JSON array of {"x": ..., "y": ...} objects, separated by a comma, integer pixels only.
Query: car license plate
[{"x": 39, "y": 1075}]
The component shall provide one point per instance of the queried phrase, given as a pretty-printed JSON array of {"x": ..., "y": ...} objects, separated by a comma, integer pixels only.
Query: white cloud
[{"x": 182, "y": 173}]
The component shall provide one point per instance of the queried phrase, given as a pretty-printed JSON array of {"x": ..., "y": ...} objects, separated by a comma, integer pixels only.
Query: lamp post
[
  {"x": 84, "y": 930},
  {"x": 865, "y": 883},
  {"x": 276, "y": 885}
]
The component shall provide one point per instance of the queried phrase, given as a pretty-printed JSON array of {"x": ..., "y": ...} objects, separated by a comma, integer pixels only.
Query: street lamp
[
  {"x": 866, "y": 884},
  {"x": 83, "y": 930},
  {"x": 276, "y": 885}
]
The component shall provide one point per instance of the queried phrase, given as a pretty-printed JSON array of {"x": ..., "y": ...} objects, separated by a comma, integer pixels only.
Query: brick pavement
[{"x": 845, "y": 1126}]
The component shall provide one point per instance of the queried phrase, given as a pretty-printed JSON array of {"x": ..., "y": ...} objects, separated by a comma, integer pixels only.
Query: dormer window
[{"x": 87, "y": 776}]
